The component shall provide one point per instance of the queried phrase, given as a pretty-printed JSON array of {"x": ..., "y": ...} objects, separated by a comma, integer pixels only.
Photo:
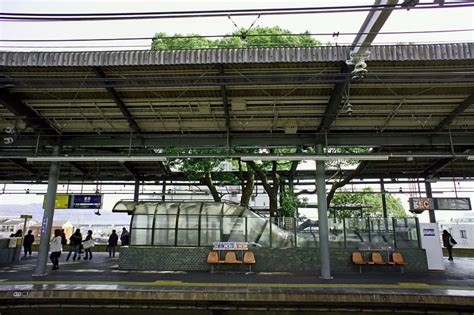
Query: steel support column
[
  {"x": 322, "y": 217},
  {"x": 429, "y": 194},
  {"x": 136, "y": 192},
  {"x": 384, "y": 200},
  {"x": 48, "y": 216}
]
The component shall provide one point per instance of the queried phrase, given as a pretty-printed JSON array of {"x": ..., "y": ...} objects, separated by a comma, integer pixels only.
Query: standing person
[
  {"x": 56, "y": 248},
  {"x": 75, "y": 241},
  {"x": 113, "y": 240},
  {"x": 448, "y": 242},
  {"x": 27, "y": 242},
  {"x": 88, "y": 244},
  {"x": 125, "y": 237},
  {"x": 18, "y": 233},
  {"x": 63, "y": 238}
]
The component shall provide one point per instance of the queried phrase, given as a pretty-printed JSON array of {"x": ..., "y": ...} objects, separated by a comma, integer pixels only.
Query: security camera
[{"x": 349, "y": 109}]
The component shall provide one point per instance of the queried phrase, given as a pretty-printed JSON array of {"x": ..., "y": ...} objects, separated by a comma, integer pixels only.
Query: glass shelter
[{"x": 200, "y": 223}]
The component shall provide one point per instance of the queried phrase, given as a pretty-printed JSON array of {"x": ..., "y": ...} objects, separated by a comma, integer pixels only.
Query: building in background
[{"x": 461, "y": 229}]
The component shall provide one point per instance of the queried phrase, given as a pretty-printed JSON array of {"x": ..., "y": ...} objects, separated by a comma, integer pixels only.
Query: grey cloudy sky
[{"x": 401, "y": 20}]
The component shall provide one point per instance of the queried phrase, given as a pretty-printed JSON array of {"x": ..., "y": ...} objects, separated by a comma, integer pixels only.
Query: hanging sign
[
  {"x": 453, "y": 204},
  {"x": 418, "y": 205},
  {"x": 85, "y": 201},
  {"x": 61, "y": 202},
  {"x": 76, "y": 201}
]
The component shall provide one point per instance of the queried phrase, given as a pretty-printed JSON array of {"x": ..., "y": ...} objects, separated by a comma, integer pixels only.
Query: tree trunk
[
  {"x": 208, "y": 181},
  {"x": 247, "y": 189},
  {"x": 272, "y": 192},
  {"x": 362, "y": 165}
]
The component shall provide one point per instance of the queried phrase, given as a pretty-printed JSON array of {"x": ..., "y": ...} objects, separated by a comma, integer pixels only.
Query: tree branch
[{"x": 362, "y": 165}]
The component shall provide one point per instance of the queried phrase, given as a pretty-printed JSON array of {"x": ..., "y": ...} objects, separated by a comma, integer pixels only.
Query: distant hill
[{"x": 75, "y": 216}]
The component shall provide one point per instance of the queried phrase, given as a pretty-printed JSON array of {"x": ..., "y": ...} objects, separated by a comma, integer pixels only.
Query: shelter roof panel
[{"x": 234, "y": 56}]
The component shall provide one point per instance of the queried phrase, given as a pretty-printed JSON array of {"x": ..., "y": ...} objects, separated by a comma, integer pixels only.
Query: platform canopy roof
[{"x": 414, "y": 105}]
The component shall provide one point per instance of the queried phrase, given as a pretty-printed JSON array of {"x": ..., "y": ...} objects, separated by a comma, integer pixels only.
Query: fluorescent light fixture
[
  {"x": 470, "y": 157},
  {"x": 145, "y": 158},
  {"x": 333, "y": 157}
]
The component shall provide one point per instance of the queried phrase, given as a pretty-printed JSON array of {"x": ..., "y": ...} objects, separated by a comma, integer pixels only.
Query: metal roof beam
[
  {"x": 455, "y": 113},
  {"x": 28, "y": 115},
  {"x": 23, "y": 166},
  {"x": 118, "y": 100},
  {"x": 251, "y": 140},
  {"x": 437, "y": 166},
  {"x": 78, "y": 168},
  {"x": 372, "y": 25},
  {"x": 334, "y": 104},
  {"x": 226, "y": 103},
  {"x": 128, "y": 166}
]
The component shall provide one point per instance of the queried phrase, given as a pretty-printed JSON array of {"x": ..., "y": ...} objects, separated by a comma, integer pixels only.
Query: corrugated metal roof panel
[{"x": 235, "y": 56}]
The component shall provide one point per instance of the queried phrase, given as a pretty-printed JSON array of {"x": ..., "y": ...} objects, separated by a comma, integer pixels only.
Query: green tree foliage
[
  {"x": 255, "y": 37},
  {"x": 208, "y": 171},
  {"x": 289, "y": 204},
  {"x": 371, "y": 203},
  {"x": 163, "y": 41},
  {"x": 267, "y": 37}
]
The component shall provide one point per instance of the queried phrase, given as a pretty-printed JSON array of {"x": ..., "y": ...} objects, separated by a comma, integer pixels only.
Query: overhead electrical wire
[
  {"x": 236, "y": 35},
  {"x": 66, "y": 17}
]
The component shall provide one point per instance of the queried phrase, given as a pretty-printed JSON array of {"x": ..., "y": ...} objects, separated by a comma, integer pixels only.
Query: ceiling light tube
[
  {"x": 361, "y": 157},
  {"x": 96, "y": 158}
]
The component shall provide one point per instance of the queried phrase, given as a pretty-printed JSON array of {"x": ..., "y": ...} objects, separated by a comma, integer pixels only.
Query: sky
[{"x": 403, "y": 20}]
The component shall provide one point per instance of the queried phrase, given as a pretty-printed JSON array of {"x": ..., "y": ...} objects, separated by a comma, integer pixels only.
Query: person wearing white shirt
[{"x": 56, "y": 248}]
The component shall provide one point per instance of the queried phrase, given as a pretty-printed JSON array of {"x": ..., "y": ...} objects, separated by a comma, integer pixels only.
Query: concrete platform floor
[{"x": 98, "y": 286}]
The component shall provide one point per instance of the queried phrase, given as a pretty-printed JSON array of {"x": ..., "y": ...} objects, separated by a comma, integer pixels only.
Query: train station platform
[{"x": 98, "y": 286}]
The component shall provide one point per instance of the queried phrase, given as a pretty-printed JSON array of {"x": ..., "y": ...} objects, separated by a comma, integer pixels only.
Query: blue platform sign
[{"x": 85, "y": 202}]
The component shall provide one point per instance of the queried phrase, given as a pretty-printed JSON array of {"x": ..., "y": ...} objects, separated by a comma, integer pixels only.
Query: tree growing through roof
[{"x": 208, "y": 170}]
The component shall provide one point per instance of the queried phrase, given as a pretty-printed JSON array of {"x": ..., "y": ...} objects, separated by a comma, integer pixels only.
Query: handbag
[
  {"x": 88, "y": 244},
  {"x": 452, "y": 242}
]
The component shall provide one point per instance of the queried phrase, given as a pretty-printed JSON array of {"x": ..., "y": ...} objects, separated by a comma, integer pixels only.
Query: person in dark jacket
[
  {"x": 18, "y": 233},
  {"x": 76, "y": 242},
  {"x": 125, "y": 237},
  {"x": 63, "y": 238},
  {"x": 113, "y": 240},
  {"x": 27, "y": 242},
  {"x": 448, "y": 242}
]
